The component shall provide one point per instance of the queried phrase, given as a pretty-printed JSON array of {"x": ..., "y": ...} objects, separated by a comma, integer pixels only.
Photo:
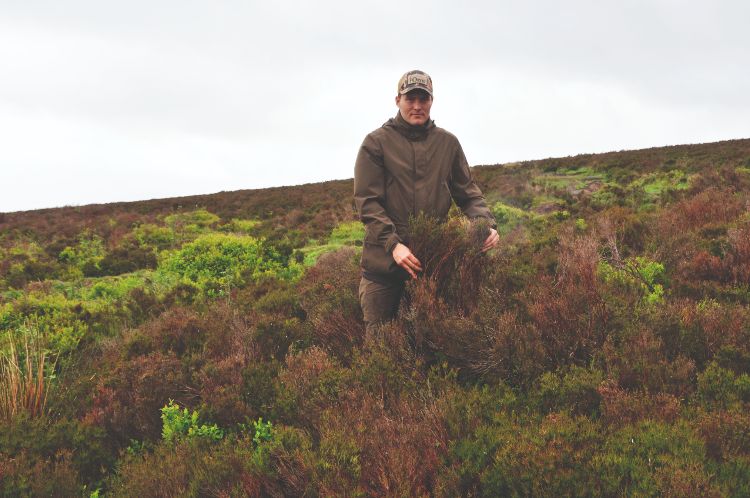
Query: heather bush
[
  {"x": 438, "y": 332},
  {"x": 366, "y": 449},
  {"x": 178, "y": 330},
  {"x": 127, "y": 399},
  {"x": 650, "y": 459},
  {"x": 242, "y": 465},
  {"x": 508, "y": 457},
  {"x": 738, "y": 258},
  {"x": 189, "y": 469},
  {"x": 451, "y": 257},
  {"x": 329, "y": 297},
  {"x": 505, "y": 348},
  {"x": 636, "y": 360},
  {"x": 721, "y": 388},
  {"x": 125, "y": 260},
  {"x": 678, "y": 229},
  {"x": 259, "y": 391},
  {"x": 620, "y": 407},
  {"x": 24, "y": 475},
  {"x": 569, "y": 311},
  {"x": 574, "y": 389},
  {"x": 279, "y": 297},
  {"x": 373, "y": 371},
  {"x": 447, "y": 314},
  {"x": 64, "y": 452},
  {"x": 726, "y": 433},
  {"x": 220, "y": 386},
  {"x": 310, "y": 382}
]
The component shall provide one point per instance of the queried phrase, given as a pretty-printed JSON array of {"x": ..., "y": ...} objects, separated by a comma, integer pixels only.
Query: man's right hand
[{"x": 406, "y": 260}]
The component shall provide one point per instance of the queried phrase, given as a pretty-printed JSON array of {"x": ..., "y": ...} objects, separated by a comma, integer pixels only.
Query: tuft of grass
[{"x": 24, "y": 384}]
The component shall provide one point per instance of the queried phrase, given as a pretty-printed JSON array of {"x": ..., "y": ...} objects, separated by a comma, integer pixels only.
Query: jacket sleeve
[
  {"x": 369, "y": 196},
  {"x": 465, "y": 191}
]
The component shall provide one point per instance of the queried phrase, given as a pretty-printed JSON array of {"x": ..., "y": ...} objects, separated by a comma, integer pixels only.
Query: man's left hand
[{"x": 491, "y": 241}]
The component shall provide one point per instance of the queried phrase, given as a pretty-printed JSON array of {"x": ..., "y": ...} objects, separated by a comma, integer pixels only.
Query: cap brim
[{"x": 415, "y": 87}]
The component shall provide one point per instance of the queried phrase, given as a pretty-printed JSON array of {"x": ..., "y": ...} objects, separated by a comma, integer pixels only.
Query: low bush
[
  {"x": 366, "y": 450},
  {"x": 635, "y": 360},
  {"x": 620, "y": 407},
  {"x": 720, "y": 388},
  {"x": 218, "y": 262},
  {"x": 574, "y": 389},
  {"x": 570, "y": 311},
  {"x": 178, "y": 424},
  {"x": 652, "y": 458},
  {"x": 311, "y": 382},
  {"x": 67, "y": 453},
  {"x": 25, "y": 475},
  {"x": 127, "y": 399},
  {"x": 243, "y": 465},
  {"x": 329, "y": 298}
]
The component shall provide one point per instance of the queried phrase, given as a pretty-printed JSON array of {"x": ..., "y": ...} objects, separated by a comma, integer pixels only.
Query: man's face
[{"x": 414, "y": 106}]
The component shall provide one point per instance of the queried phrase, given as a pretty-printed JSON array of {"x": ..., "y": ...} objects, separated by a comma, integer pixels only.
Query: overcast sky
[{"x": 113, "y": 101}]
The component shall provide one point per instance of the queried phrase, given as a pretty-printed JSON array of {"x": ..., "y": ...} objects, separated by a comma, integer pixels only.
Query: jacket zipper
[{"x": 414, "y": 179}]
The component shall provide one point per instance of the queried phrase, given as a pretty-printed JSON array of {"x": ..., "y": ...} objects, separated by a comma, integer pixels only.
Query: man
[{"x": 405, "y": 167}]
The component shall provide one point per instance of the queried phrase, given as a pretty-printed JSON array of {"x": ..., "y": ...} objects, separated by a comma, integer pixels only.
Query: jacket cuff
[{"x": 391, "y": 242}]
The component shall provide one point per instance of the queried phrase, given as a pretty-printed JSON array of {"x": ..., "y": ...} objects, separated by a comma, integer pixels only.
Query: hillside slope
[{"x": 213, "y": 345}]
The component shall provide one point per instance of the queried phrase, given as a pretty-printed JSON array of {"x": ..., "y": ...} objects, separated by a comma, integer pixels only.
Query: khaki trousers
[{"x": 379, "y": 301}]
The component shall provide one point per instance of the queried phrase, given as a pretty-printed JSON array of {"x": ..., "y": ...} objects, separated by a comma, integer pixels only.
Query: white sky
[{"x": 104, "y": 101}]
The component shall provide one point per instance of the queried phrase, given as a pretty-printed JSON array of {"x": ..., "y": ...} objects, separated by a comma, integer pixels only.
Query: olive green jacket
[{"x": 402, "y": 170}]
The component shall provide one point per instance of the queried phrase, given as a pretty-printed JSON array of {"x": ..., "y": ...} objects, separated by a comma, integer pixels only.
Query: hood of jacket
[{"x": 413, "y": 133}]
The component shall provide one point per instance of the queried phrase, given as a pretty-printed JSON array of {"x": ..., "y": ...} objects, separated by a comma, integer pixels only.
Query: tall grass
[{"x": 24, "y": 384}]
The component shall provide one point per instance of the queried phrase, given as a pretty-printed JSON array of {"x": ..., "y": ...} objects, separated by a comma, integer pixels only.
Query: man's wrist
[{"x": 391, "y": 242}]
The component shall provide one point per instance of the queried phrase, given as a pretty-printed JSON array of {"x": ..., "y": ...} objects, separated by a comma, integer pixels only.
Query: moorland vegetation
[{"x": 213, "y": 345}]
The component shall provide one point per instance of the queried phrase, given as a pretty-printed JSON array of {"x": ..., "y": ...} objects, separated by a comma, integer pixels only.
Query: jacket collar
[{"x": 411, "y": 132}]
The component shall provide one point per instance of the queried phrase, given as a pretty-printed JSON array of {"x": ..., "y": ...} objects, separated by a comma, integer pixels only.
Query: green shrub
[
  {"x": 191, "y": 222},
  {"x": 638, "y": 461},
  {"x": 69, "y": 450},
  {"x": 153, "y": 237},
  {"x": 574, "y": 389},
  {"x": 721, "y": 388},
  {"x": 86, "y": 255},
  {"x": 509, "y": 217},
  {"x": 219, "y": 262},
  {"x": 639, "y": 272},
  {"x": 230, "y": 467},
  {"x": 511, "y": 457},
  {"x": 241, "y": 226},
  {"x": 180, "y": 424}
]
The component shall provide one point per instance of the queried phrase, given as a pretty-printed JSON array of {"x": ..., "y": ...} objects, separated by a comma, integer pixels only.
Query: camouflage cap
[{"x": 414, "y": 80}]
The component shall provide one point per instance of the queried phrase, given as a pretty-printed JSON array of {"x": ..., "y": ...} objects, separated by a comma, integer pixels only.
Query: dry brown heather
[{"x": 602, "y": 350}]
